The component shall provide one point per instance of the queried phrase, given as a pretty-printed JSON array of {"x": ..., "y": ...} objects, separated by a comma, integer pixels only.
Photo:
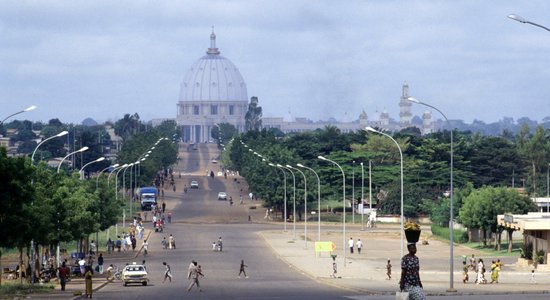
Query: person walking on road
[
  {"x": 359, "y": 245},
  {"x": 350, "y": 244},
  {"x": 167, "y": 272},
  {"x": 242, "y": 269},
  {"x": 100, "y": 263},
  {"x": 193, "y": 275},
  {"x": 145, "y": 247},
  {"x": 388, "y": 269},
  {"x": 88, "y": 281},
  {"x": 64, "y": 273},
  {"x": 410, "y": 275}
]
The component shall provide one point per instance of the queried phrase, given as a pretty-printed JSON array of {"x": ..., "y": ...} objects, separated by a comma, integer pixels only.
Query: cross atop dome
[{"x": 213, "y": 50}]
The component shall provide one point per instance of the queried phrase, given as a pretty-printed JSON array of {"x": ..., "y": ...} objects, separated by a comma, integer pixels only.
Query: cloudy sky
[{"x": 317, "y": 59}]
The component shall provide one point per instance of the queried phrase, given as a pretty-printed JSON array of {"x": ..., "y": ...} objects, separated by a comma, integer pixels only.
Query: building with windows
[{"x": 213, "y": 91}]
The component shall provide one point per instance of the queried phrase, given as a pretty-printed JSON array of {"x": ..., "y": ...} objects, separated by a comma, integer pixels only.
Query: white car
[
  {"x": 222, "y": 196},
  {"x": 194, "y": 184},
  {"x": 135, "y": 274}
]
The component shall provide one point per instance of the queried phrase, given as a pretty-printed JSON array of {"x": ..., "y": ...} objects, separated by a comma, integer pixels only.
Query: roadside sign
[{"x": 325, "y": 247}]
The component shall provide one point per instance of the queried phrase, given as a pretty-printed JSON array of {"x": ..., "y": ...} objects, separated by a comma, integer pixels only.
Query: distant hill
[{"x": 89, "y": 122}]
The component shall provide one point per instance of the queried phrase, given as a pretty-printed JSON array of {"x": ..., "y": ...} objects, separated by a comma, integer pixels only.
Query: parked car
[
  {"x": 222, "y": 196},
  {"x": 135, "y": 273},
  {"x": 194, "y": 184}
]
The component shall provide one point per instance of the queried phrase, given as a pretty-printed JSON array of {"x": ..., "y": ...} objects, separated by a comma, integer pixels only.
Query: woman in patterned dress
[{"x": 410, "y": 276}]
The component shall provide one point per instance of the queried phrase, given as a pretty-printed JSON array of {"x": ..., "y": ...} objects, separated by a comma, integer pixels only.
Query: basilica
[{"x": 213, "y": 91}]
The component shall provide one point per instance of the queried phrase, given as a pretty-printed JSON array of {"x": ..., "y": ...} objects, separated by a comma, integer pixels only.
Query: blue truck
[{"x": 148, "y": 196}]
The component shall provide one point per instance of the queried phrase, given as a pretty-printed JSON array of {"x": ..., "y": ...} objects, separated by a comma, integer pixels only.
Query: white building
[{"x": 212, "y": 92}]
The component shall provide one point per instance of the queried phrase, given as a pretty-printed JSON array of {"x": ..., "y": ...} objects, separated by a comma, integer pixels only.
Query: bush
[
  {"x": 539, "y": 257},
  {"x": 459, "y": 236},
  {"x": 527, "y": 251}
]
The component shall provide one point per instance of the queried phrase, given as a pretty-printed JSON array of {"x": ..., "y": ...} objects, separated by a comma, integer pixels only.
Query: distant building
[{"x": 212, "y": 92}]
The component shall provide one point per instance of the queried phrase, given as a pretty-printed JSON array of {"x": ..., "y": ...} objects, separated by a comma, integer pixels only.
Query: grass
[
  {"x": 10, "y": 290},
  {"x": 490, "y": 248}
]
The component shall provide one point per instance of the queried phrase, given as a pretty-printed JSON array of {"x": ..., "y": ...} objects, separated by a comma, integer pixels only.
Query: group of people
[
  {"x": 478, "y": 266},
  {"x": 169, "y": 243},
  {"x": 218, "y": 245},
  {"x": 352, "y": 244}
]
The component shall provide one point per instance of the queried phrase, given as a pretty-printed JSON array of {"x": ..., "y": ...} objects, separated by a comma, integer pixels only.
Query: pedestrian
[
  {"x": 143, "y": 264},
  {"x": 169, "y": 217},
  {"x": 495, "y": 269},
  {"x": 410, "y": 275},
  {"x": 82, "y": 266},
  {"x": 464, "y": 272},
  {"x": 92, "y": 248},
  {"x": 480, "y": 272},
  {"x": 164, "y": 243},
  {"x": 533, "y": 276},
  {"x": 350, "y": 243},
  {"x": 145, "y": 247},
  {"x": 388, "y": 269},
  {"x": 214, "y": 246},
  {"x": 473, "y": 264},
  {"x": 109, "y": 246},
  {"x": 167, "y": 272},
  {"x": 334, "y": 269},
  {"x": 64, "y": 273},
  {"x": 359, "y": 246},
  {"x": 100, "y": 263},
  {"x": 88, "y": 281},
  {"x": 242, "y": 269},
  {"x": 163, "y": 206},
  {"x": 220, "y": 244},
  {"x": 171, "y": 242},
  {"x": 193, "y": 275}
]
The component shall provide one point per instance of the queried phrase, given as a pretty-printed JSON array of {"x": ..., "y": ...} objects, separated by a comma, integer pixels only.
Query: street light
[
  {"x": 98, "y": 175},
  {"x": 368, "y": 128},
  {"x": 522, "y": 20},
  {"x": 548, "y": 189},
  {"x": 451, "y": 215},
  {"x": 81, "y": 172},
  {"x": 305, "y": 203},
  {"x": 318, "y": 200},
  {"x": 353, "y": 192},
  {"x": 32, "y": 107},
  {"x": 362, "y": 197},
  {"x": 293, "y": 198},
  {"x": 284, "y": 175},
  {"x": 343, "y": 204},
  {"x": 62, "y": 133},
  {"x": 77, "y": 151}
]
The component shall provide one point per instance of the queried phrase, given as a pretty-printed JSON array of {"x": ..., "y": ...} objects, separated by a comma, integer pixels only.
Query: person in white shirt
[
  {"x": 359, "y": 245},
  {"x": 351, "y": 243}
]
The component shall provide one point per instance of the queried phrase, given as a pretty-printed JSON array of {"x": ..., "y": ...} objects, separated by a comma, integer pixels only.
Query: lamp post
[
  {"x": 522, "y": 20},
  {"x": 293, "y": 198},
  {"x": 62, "y": 133},
  {"x": 100, "y": 172},
  {"x": 81, "y": 172},
  {"x": 74, "y": 152},
  {"x": 362, "y": 193},
  {"x": 284, "y": 175},
  {"x": 451, "y": 215},
  {"x": 318, "y": 201},
  {"x": 305, "y": 203},
  {"x": 548, "y": 189},
  {"x": 343, "y": 204},
  {"x": 58, "y": 168},
  {"x": 353, "y": 192},
  {"x": 32, "y": 107},
  {"x": 116, "y": 195},
  {"x": 401, "y": 156}
]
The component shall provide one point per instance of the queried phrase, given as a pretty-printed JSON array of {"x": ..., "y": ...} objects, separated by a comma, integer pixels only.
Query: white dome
[{"x": 213, "y": 78}]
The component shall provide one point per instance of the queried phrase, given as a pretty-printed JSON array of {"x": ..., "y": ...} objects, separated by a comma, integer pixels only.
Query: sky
[{"x": 316, "y": 59}]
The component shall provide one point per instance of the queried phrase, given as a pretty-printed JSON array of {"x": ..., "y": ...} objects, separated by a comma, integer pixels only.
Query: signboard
[
  {"x": 324, "y": 247},
  {"x": 508, "y": 219}
]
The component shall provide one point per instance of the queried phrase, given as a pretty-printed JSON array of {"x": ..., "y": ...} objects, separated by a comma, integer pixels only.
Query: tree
[
  {"x": 127, "y": 126},
  {"x": 224, "y": 132},
  {"x": 534, "y": 150},
  {"x": 253, "y": 117}
]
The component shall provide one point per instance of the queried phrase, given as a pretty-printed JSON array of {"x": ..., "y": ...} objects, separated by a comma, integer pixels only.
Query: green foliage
[
  {"x": 459, "y": 236},
  {"x": 539, "y": 257},
  {"x": 527, "y": 251}
]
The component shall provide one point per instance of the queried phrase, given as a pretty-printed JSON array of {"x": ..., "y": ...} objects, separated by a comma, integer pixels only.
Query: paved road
[{"x": 198, "y": 220}]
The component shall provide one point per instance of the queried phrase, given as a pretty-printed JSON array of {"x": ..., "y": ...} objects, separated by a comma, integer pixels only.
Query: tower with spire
[{"x": 405, "y": 108}]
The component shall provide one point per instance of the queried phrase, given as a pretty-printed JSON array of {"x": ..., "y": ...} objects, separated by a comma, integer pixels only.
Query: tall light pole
[
  {"x": 353, "y": 192},
  {"x": 343, "y": 204},
  {"x": 32, "y": 107},
  {"x": 451, "y": 215},
  {"x": 58, "y": 168},
  {"x": 293, "y": 198},
  {"x": 81, "y": 172},
  {"x": 305, "y": 203},
  {"x": 522, "y": 20},
  {"x": 362, "y": 192},
  {"x": 74, "y": 152},
  {"x": 318, "y": 201},
  {"x": 62, "y": 133},
  {"x": 284, "y": 176},
  {"x": 548, "y": 189},
  {"x": 123, "y": 167},
  {"x": 401, "y": 156}
]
